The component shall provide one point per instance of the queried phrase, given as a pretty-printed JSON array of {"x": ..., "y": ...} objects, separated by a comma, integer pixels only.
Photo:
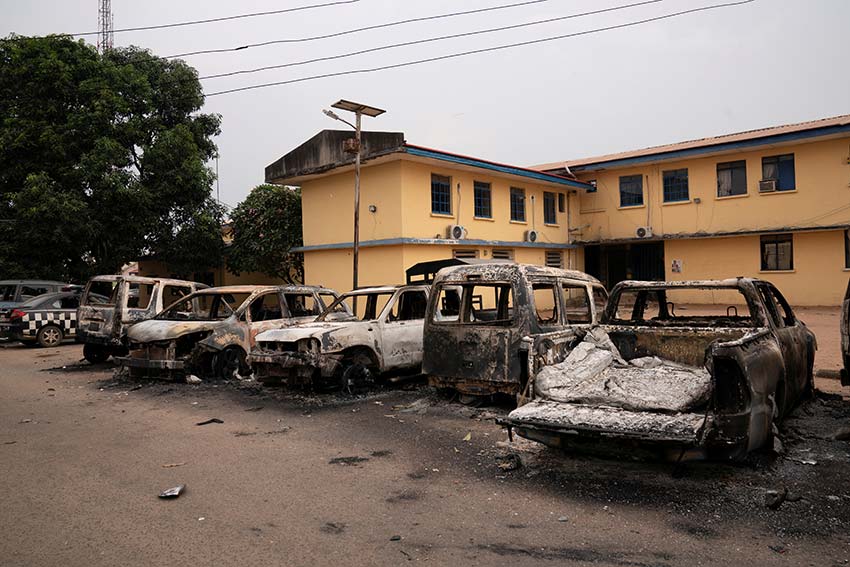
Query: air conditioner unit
[
  {"x": 531, "y": 236},
  {"x": 456, "y": 232},
  {"x": 644, "y": 232},
  {"x": 767, "y": 185}
]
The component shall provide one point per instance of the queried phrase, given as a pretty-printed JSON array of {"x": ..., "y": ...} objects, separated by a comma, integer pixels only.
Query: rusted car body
[
  {"x": 710, "y": 378},
  {"x": 211, "y": 332},
  {"x": 845, "y": 338},
  {"x": 486, "y": 323},
  {"x": 341, "y": 349},
  {"x": 111, "y": 304}
]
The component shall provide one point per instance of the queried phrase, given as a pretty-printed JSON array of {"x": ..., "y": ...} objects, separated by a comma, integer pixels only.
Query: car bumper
[
  {"x": 149, "y": 363},
  {"x": 288, "y": 365}
]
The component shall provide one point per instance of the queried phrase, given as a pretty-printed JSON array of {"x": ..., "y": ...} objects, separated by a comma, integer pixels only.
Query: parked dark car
[
  {"x": 44, "y": 320},
  {"x": 706, "y": 366},
  {"x": 16, "y": 292}
]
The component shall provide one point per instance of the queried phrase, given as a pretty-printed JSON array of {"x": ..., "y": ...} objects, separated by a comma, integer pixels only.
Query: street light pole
[
  {"x": 356, "y": 258},
  {"x": 359, "y": 110}
]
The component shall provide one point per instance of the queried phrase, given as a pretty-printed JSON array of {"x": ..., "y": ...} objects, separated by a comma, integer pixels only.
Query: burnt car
[
  {"x": 486, "y": 323},
  {"x": 45, "y": 320},
  {"x": 111, "y": 304},
  {"x": 365, "y": 333},
  {"x": 17, "y": 292},
  {"x": 706, "y": 367},
  {"x": 211, "y": 331},
  {"x": 845, "y": 338}
]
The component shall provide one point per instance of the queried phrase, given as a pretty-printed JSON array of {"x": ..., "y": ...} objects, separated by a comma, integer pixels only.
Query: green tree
[
  {"x": 102, "y": 161},
  {"x": 266, "y": 227}
]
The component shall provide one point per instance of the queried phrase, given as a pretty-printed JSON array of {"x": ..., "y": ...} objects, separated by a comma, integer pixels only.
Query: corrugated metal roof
[{"x": 843, "y": 120}]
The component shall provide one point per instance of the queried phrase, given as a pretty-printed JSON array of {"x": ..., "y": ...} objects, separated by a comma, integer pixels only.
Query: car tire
[
  {"x": 228, "y": 361},
  {"x": 50, "y": 336},
  {"x": 95, "y": 354}
]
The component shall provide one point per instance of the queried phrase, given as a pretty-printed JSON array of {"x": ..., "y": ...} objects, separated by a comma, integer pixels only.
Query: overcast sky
[{"x": 766, "y": 63}]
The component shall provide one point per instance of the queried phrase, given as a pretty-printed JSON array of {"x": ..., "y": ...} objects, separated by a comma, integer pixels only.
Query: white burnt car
[
  {"x": 341, "y": 349},
  {"x": 211, "y": 331}
]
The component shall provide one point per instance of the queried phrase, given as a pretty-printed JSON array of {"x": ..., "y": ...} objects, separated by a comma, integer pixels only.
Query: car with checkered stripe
[{"x": 45, "y": 320}]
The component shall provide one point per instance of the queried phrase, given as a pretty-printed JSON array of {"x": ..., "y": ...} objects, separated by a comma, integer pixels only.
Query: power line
[
  {"x": 223, "y": 19},
  {"x": 358, "y": 30},
  {"x": 429, "y": 40},
  {"x": 483, "y": 50}
]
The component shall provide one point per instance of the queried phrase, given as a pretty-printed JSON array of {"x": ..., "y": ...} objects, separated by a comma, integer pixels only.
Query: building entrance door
[{"x": 617, "y": 262}]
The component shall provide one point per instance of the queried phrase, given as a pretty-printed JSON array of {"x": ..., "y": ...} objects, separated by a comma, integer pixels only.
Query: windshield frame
[
  {"x": 348, "y": 315},
  {"x": 208, "y": 292}
]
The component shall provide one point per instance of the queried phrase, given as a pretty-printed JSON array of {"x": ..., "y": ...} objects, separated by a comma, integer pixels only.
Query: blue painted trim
[
  {"x": 678, "y": 154},
  {"x": 538, "y": 175},
  {"x": 434, "y": 242}
]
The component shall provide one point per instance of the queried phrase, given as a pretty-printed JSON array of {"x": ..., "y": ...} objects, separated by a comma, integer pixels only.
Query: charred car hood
[
  {"x": 158, "y": 330},
  {"x": 312, "y": 330}
]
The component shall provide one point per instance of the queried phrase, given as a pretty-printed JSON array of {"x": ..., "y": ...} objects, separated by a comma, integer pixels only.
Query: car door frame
[{"x": 411, "y": 331}]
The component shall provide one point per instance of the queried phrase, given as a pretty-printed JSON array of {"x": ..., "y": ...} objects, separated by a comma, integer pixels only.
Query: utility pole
[
  {"x": 105, "y": 25},
  {"x": 353, "y": 146}
]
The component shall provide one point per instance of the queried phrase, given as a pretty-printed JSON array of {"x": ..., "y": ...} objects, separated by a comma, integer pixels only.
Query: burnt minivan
[
  {"x": 487, "y": 324},
  {"x": 110, "y": 304}
]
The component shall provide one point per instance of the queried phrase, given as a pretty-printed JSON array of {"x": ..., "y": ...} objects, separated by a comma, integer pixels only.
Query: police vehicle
[{"x": 45, "y": 320}]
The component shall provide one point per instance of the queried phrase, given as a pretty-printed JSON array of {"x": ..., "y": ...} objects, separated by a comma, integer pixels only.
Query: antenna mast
[{"x": 105, "y": 24}]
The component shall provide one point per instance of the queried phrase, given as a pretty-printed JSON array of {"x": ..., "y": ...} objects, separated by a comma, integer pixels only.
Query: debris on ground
[
  {"x": 842, "y": 434},
  {"x": 395, "y": 538},
  {"x": 173, "y": 492},
  {"x": 192, "y": 379},
  {"x": 258, "y": 408},
  {"x": 419, "y": 406},
  {"x": 211, "y": 420},
  {"x": 773, "y": 499},
  {"x": 468, "y": 437},
  {"x": 348, "y": 461},
  {"x": 172, "y": 465},
  {"x": 509, "y": 462}
]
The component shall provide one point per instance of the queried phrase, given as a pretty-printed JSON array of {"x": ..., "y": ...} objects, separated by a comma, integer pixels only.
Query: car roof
[
  {"x": 503, "y": 271},
  {"x": 48, "y": 282},
  {"x": 142, "y": 279},
  {"x": 724, "y": 283},
  {"x": 253, "y": 288},
  {"x": 383, "y": 289}
]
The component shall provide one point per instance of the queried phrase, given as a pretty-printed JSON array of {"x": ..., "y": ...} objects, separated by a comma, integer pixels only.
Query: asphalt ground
[{"x": 396, "y": 476}]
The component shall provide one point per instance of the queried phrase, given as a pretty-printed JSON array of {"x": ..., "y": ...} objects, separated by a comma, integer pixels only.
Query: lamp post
[{"x": 358, "y": 110}]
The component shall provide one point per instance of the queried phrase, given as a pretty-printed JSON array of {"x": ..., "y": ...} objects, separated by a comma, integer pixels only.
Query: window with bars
[
  {"x": 517, "y": 204},
  {"x": 631, "y": 190},
  {"x": 777, "y": 252},
  {"x": 483, "y": 208},
  {"x": 554, "y": 259},
  {"x": 465, "y": 254},
  {"x": 731, "y": 178},
  {"x": 676, "y": 185},
  {"x": 780, "y": 169},
  {"x": 441, "y": 194},
  {"x": 503, "y": 254},
  {"x": 549, "y": 216}
]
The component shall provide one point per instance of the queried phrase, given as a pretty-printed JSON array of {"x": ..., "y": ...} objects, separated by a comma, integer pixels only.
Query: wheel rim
[
  {"x": 51, "y": 336},
  {"x": 228, "y": 362}
]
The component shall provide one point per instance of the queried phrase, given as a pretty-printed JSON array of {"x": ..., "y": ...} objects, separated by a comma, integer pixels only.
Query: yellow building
[
  {"x": 771, "y": 203},
  {"x": 418, "y": 204}
]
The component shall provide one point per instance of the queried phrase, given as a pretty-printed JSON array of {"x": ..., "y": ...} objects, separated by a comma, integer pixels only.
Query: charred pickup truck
[
  {"x": 701, "y": 366},
  {"x": 487, "y": 322},
  {"x": 367, "y": 332},
  {"x": 110, "y": 304},
  {"x": 211, "y": 332}
]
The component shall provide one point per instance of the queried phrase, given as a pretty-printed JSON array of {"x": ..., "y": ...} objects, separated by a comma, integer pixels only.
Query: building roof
[
  {"x": 836, "y": 125},
  {"x": 323, "y": 154}
]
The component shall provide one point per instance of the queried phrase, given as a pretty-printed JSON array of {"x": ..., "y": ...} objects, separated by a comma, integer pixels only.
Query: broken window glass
[
  {"x": 576, "y": 304},
  {"x": 545, "y": 303}
]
